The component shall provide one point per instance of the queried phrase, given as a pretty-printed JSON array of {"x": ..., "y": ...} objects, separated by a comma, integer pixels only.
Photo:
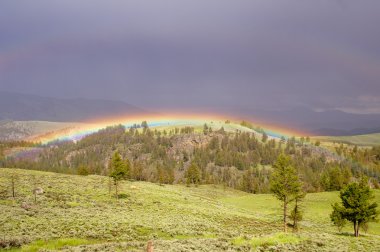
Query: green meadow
[
  {"x": 362, "y": 140},
  {"x": 78, "y": 213}
]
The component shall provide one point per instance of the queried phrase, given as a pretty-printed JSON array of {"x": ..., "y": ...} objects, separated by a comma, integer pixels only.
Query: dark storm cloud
[{"x": 163, "y": 54}]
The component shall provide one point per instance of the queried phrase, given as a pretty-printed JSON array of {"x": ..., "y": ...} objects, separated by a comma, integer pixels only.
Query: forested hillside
[{"x": 239, "y": 160}]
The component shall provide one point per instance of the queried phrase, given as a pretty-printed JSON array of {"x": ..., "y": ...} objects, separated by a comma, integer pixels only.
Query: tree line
[
  {"x": 240, "y": 160},
  {"x": 253, "y": 163}
]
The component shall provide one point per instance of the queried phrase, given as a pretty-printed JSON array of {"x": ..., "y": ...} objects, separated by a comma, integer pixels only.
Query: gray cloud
[{"x": 196, "y": 54}]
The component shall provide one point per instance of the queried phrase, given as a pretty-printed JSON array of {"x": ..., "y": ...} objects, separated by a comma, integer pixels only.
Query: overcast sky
[{"x": 320, "y": 54}]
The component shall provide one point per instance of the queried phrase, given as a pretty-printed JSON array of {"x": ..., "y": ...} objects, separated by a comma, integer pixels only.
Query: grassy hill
[
  {"x": 362, "y": 140},
  {"x": 77, "y": 213},
  {"x": 45, "y": 130}
]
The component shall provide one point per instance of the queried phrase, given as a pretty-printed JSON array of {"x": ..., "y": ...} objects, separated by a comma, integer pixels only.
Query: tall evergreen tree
[
  {"x": 205, "y": 129},
  {"x": 119, "y": 170},
  {"x": 264, "y": 137},
  {"x": 285, "y": 183},
  {"x": 14, "y": 179},
  {"x": 193, "y": 174},
  {"x": 296, "y": 214},
  {"x": 357, "y": 205}
]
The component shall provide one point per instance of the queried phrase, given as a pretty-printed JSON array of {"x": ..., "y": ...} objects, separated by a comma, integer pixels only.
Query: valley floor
[{"x": 77, "y": 213}]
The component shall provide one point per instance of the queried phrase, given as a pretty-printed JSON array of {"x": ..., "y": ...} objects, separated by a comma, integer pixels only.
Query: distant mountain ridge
[
  {"x": 326, "y": 123},
  {"x": 353, "y": 132},
  {"x": 24, "y": 107}
]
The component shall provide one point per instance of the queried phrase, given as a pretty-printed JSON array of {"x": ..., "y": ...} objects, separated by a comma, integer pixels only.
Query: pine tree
[
  {"x": 264, "y": 137},
  {"x": 337, "y": 217},
  {"x": 302, "y": 140},
  {"x": 119, "y": 170},
  {"x": 137, "y": 171},
  {"x": 83, "y": 170},
  {"x": 205, "y": 129},
  {"x": 285, "y": 183},
  {"x": 296, "y": 214},
  {"x": 193, "y": 174},
  {"x": 356, "y": 206},
  {"x": 14, "y": 179}
]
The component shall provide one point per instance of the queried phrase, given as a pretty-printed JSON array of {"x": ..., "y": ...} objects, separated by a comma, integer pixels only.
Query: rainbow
[{"x": 160, "y": 121}]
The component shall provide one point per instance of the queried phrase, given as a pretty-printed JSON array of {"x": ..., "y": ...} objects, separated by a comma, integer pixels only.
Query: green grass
[
  {"x": 316, "y": 208},
  {"x": 57, "y": 244},
  {"x": 271, "y": 240},
  {"x": 78, "y": 212},
  {"x": 362, "y": 140}
]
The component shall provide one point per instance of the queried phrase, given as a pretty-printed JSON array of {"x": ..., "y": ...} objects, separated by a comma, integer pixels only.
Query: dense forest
[{"x": 238, "y": 159}]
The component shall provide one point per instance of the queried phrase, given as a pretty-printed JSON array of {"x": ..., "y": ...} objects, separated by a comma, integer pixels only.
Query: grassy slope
[
  {"x": 316, "y": 207},
  {"x": 77, "y": 213},
  {"x": 199, "y": 124},
  {"x": 363, "y": 140}
]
